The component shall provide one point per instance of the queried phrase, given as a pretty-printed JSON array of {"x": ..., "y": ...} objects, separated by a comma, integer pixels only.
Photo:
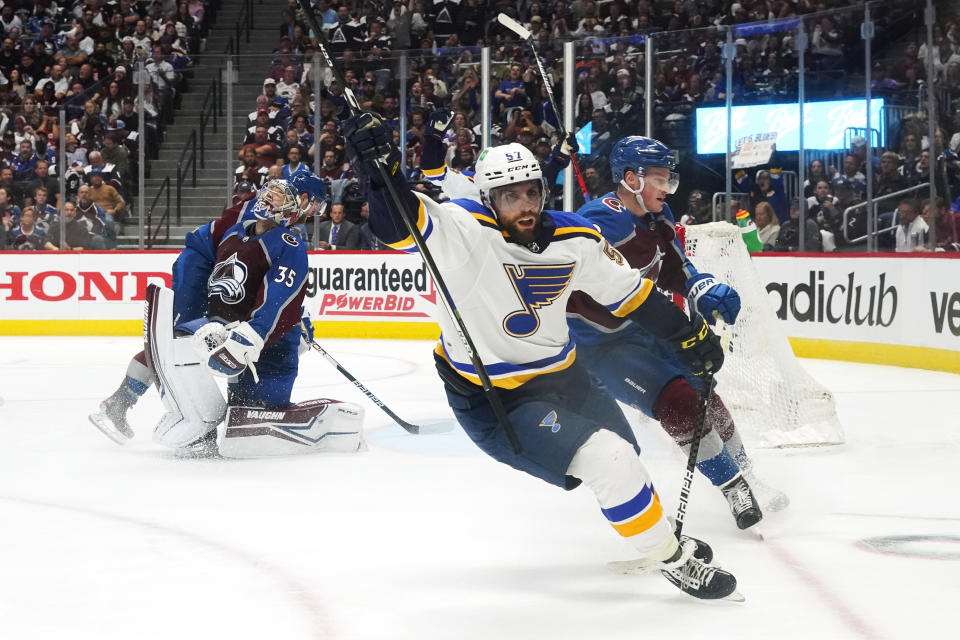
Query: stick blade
[
  {"x": 514, "y": 26},
  {"x": 433, "y": 427}
]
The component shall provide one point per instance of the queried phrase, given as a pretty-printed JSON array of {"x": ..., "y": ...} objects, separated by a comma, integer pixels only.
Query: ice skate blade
[
  {"x": 101, "y": 422},
  {"x": 736, "y": 596}
]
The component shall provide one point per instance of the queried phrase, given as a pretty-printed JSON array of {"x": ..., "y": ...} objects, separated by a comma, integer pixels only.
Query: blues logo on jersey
[{"x": 536, "y": 286}]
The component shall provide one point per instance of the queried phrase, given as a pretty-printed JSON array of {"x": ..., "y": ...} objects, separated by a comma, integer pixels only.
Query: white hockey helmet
[
  {"x": 278, "y": 203},
  {"x": 507, "y": 164}
]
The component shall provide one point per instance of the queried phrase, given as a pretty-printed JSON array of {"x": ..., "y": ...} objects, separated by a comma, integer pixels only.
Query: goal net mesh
[{"x": 774, "y": 401}]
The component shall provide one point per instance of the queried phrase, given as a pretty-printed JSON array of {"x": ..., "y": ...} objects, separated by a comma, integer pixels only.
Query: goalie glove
[
  {"x": 228, "y": 350},
  {"x": 712, "y": 299},
  {"x": 699, "y": 348},
  {"x": 371, "y": 140},
  {"x": 439, "y": 122}
]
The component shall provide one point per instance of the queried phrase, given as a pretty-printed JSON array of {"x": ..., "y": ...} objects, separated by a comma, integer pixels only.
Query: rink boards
[{"x": 879, "y": 308}]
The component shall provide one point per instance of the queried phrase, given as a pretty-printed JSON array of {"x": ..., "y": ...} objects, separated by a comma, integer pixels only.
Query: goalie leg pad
[
  {"x": 194, "y": 403},
  {"x": 308, "y": 427}
]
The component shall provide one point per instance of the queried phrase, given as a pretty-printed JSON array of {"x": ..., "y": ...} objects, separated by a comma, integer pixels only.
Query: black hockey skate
[
  {"x": 743, "y": 504},
  {"x": 701, "y": 551},
  {"x": 111, "y": 419},
  {"x": 698, "y": 579}
]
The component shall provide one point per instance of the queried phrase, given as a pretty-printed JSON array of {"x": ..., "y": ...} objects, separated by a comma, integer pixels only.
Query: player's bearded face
[{"x": 518, "y": 208}]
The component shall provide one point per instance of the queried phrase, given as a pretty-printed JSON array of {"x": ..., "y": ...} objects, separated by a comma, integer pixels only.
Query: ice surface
[{"x": 423, "y": 537}]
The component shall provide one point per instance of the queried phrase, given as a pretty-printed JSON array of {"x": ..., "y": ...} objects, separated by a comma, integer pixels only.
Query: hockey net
[{"x": 774, "y": 401}]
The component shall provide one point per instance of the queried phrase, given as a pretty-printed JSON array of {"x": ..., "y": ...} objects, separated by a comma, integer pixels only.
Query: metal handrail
[
  {"x": 895, "y": 194},
  {"x": 244, "y": 24},
  {"x": 183, "y": 165},
  {"x": 208, "y": 113},
  {"x": 164, "y": 219}
]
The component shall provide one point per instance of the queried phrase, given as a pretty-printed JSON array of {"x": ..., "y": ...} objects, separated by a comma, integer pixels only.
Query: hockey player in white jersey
[
  {"x": 648, "y": 379},
  {"x": 510, "y": 268}
]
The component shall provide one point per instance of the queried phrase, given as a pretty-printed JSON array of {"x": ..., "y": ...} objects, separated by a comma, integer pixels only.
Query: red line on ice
[{"x": 826, "y": 595}]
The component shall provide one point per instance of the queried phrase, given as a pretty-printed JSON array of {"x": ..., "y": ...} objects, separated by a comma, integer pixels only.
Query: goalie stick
[
  {"x": 411, "y": 428},
  {"x": 489, "y": 390},
  {"x": 527, "y": 37}
]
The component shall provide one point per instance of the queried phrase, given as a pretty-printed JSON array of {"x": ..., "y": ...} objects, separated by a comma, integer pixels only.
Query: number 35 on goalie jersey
[{"x": 259, "y": 279}]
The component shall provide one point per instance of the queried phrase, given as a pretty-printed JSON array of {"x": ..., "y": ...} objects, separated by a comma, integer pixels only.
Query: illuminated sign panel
[{"x": 824, "y": 124}]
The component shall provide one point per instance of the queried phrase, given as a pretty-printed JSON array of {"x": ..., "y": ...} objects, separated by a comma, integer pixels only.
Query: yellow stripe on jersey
[
  {"x": 485, "y": 220},
  {"x": 407, "y": 242},
  {"x": 435, "y": 173},
  {"x": 559, "y": 232},
  {"x": 512, "y": 381},
  {"x": 634, "y": 301},
  {"x": 642, "y": 522}
]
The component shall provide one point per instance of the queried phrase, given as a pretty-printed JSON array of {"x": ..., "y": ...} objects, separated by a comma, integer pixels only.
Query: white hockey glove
[
  {"x": 439, "y": 122},
  {"x": 712, "y": 299},
  {"x": 228, "y": 350},
  {"x": 568, "y": 145}
]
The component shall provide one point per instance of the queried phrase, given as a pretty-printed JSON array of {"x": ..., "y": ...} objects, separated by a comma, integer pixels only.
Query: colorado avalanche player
[
  {"x": 637, "y": 367},
  {"x": 250, "y": 335},
  {"x": 191, "y": 272}
]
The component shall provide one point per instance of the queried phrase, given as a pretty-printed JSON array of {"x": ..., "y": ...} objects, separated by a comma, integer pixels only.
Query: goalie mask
[
  {"x": 504, "y": 165},
  {"x": 277, "y": 202}
]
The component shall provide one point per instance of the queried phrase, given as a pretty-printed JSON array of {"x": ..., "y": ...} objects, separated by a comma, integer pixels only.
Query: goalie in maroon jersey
[
  {"x": 251, "y": 335},
  {"x": 240, "y": 285},
  {"x": 254, "y": 299}
]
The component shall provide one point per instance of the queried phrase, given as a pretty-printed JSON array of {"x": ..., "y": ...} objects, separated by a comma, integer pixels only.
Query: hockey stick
[
  {"x": 492, "y": 396},
  {"x": 694, "y": 451},
  {"x": 527, "y": 37},
  {"x": 411, "y": 428}
]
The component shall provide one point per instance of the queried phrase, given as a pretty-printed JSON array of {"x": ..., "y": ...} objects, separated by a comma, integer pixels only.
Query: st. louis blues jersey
[
  {"x": 512, "y": 297},
  {"x": 649, "y": 243},
  {"x": 259, "y": 279}
]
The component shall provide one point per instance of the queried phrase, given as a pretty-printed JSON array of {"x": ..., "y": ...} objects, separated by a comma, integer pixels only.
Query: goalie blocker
[{"x": 195, "y": 406}]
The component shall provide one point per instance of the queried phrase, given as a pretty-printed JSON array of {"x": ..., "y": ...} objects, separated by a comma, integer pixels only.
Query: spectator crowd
[
  {"x": 79, "y": 57},
  {"x": 442, "y": 41}
]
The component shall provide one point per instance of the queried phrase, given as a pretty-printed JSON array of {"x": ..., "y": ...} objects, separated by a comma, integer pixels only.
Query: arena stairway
[{"x": 206, "y": 201}]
